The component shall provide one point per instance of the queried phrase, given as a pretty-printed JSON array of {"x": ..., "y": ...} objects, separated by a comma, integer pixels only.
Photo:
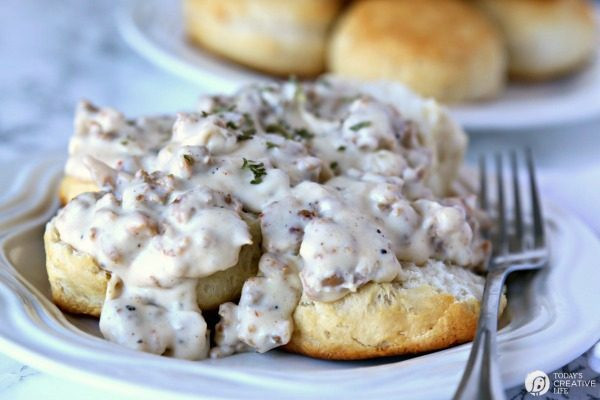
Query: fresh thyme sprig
[
  {"x": 247, "y": 127},
  {"x": 288, "y": 133},
  {"x": 257, "y": 168},
  {"x": 278, "y": 129},
  {"x": 218, "y": 109}
]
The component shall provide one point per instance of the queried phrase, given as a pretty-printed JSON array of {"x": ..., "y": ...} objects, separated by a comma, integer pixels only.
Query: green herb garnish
[
  {"x": 231, "y": 125},
  {"x": 257, "y": 168},
  {"x": 224, "y": 108},
  {"x": 341, "y": 148},
  {"x": 278, "y": 129},
  {"x": 247, "y": 134},
  {"x": 247, "y": 119},
  {"x": 189, "y": 160},
  {"x": 303, "y": 133},
  {"x": 333, "y": 165},
  {"x": 220, "y": 108},
  {"x": 360, "y": 125},
  {"x": 271, "y": 145},
  {"x": 247, "y": 125}
]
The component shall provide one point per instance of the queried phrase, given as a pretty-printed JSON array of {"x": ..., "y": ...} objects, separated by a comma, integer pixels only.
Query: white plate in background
[
  {"x": 154, "y": 28},
  {"x": 551, "y": 319}
]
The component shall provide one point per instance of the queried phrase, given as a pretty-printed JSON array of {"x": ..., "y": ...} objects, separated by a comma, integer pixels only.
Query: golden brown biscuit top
[
  {"x": 312, "y": 12},
  {"x": 430, "y": 28},
  {"x": 584, "y": 7}
]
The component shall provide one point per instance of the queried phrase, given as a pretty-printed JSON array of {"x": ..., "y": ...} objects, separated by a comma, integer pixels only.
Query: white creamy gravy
[
  {"x": 157, "y": 235},
  {"x": 347, "y": 189},
  {"x": 105, "y": 133}
]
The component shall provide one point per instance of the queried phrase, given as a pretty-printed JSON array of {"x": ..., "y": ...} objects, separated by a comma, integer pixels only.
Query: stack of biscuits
[{"x": 452, "y": 50}]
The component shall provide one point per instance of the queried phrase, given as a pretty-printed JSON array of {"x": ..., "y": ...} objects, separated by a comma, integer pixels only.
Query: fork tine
[
  {"x": 483, "y": 195},
  {"x": 501, "y": 240},
  {"x": 536, "y": 208},
  {"x": 518, "y": 213}
]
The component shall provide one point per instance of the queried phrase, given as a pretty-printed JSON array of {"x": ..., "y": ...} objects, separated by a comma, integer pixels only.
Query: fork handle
[{"x": 481, "y": 379}]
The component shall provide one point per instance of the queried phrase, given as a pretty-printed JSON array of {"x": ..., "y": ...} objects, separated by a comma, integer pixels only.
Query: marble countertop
[{"x": 54, "y": 52}]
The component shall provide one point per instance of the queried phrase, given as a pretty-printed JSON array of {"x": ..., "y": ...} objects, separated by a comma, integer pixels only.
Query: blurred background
[
  {"x": 146, "y": 57},
  {"x": 514, "y": 75}
]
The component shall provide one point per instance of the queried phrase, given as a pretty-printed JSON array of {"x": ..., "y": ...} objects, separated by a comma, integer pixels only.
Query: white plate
[
  {"x": 154, "y": 28},
  {"x": 539, "y": 329}
]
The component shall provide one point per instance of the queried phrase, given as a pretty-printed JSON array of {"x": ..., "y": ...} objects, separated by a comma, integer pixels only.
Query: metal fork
[{"x": 518, "y": 244}]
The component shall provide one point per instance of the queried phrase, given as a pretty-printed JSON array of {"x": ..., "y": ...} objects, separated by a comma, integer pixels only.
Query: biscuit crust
[
  {"x": 78, "y": 283},
  {"x": 70, "y": 187},
  {"x": 383, "y": 319},
  {"x": 444, "y": 49}
]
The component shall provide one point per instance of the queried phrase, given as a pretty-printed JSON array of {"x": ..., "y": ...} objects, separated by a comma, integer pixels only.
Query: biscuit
[
  {"x": 78, "y": 284},
  {"x": 275, "y": 36},
  {"x": 70, "y": 187},
  {"x": 444, "y": 49},
  {"x": 545, "y": 39},
  {"x": 430, "y": 308}
]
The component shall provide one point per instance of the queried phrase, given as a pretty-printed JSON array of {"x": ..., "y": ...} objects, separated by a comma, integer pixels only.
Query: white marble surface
[{"x": 54, "y": 52}]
